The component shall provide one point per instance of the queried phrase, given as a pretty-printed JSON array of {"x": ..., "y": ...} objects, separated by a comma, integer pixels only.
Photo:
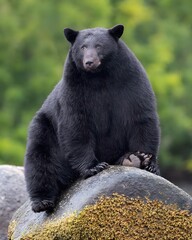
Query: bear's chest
[{"x": 107, "y": 112}]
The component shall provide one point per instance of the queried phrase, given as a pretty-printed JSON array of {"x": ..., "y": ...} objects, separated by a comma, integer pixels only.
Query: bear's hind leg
[
  {"x": 42, "y": 165},
  {"x": 41, "y": 179}
]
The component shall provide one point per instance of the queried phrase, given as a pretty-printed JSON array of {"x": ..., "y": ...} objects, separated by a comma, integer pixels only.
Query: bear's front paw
[
  {"x": 145, "y": 159},
  {"x": 44, "y": 205},
  {"x": 93, "y": 171},
  {"x": 137, "y": 159},
  {"x": 140, "y": 160}
]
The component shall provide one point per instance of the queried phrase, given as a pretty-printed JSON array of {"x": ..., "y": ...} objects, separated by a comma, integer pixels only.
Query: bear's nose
[{"x": 89, "y": 63}]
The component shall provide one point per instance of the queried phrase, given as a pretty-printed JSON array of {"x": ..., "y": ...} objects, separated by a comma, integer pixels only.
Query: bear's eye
[
  {"x": 98, "y": 46},
  {"x": 83, "y": 47}
]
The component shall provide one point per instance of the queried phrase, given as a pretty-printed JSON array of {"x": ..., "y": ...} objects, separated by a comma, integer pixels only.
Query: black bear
[{"x": 102, "y": 112}]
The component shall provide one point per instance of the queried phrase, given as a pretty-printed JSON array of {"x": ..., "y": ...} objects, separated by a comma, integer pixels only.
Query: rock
[
  {"x": 12, "y": 195},
  {"x": 131, "y": 182}
]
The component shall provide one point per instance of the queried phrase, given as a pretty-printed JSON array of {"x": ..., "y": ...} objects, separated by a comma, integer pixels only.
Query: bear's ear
[
  {"x": 117, "y": 31},
  {"x": 70, "y": 34}
]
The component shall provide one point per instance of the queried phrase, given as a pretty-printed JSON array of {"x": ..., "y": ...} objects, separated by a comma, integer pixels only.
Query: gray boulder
[
  {"x": 131, "y": 182},
  {"x": 12, "y": 195}
]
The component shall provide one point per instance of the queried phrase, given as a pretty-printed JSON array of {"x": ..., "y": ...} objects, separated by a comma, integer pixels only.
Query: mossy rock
[
  {"x": 118, "y": 217},
  {"x": 131, "y": 182}
]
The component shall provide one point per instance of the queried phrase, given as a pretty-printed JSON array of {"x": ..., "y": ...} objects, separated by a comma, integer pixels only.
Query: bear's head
[{"x": 92, "y": 48}]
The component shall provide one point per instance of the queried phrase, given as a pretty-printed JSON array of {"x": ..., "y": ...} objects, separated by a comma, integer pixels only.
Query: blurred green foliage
[{"x": 33, "y": 50}]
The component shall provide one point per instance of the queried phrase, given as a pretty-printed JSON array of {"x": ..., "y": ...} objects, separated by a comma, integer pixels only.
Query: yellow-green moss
[
  {"x": 119, "y": 217},
  {"x": 11, "y": 229}
]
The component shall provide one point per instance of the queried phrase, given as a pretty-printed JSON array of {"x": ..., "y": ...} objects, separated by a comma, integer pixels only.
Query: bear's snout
[
  {"x": 91, "y": 65},
  {"x": 91, "y": 60}
]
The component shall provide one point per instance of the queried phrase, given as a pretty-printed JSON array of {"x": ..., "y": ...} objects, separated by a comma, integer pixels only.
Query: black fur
[{"x": 94, "y": 116}]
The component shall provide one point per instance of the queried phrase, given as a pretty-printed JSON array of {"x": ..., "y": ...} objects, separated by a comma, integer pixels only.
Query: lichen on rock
[{"x": 118, "y": 217}]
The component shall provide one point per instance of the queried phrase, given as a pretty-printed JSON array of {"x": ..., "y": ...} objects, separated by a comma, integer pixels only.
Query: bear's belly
[{"x": 112, "y": 143}]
